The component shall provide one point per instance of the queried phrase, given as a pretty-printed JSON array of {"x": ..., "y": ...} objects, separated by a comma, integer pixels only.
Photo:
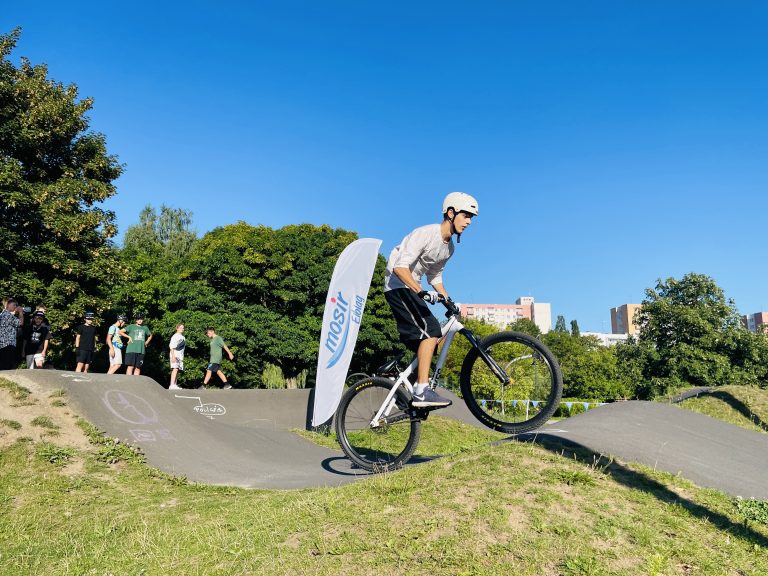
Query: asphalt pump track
[{"x": 247, "y": 438}]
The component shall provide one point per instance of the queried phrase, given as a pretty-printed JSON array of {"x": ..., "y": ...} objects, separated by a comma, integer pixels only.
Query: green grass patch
[
  {"x": 502, "y": 509},
  {"x": 745, "y": 406},
  {"x": 12, "y": 424},
  {"x": 44, "y": 422},
  {"x": 110, "y": 450},
  {"x": 18, "y": 392},
  {"x": 54, "y": 454},
  {"x": 754, "y": 510}
]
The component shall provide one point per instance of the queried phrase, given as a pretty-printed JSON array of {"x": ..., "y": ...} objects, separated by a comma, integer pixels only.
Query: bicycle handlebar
[{"x": 450, "y": 306}]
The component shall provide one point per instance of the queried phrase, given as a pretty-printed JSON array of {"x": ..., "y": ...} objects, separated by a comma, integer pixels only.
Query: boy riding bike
[{"x": 425, "y": 251}]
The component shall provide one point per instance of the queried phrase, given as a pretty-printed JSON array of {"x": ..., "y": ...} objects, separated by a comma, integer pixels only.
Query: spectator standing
[
  {"x": 85, "y": 343},
  {"x": 11, "y": 319},
  {"x": 139, "y": 337},
  {"x": 177, "y": 345},
  {"x": 115, "y": 343},
  {"x": 214, "y": 365},
  {"x": 35, "y": 343}
]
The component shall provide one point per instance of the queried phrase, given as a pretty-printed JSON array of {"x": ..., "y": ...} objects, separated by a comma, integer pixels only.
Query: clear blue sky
[{"x": 609, "y": 143}]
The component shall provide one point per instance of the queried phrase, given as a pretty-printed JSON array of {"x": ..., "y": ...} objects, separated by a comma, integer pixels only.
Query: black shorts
[
  {"x": 135, "y": 359},
  {"x": 414, "y": 320},
  {"x": 84, "y": 356},
  {"x": 214, "y": 368}
]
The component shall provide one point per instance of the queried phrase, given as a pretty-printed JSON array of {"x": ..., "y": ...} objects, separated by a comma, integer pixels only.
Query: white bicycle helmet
[{"x": 460, "y": 202}]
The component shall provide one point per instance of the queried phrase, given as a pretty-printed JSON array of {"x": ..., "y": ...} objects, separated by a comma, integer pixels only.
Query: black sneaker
[{"x": 430, "y": 399}]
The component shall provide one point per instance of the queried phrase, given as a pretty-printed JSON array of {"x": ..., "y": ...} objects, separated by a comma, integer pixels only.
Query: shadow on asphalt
[
  {"x": 740, "y": 407},
  {"x": 341, "y": 466},
  {"x": 639, "y": 481}
]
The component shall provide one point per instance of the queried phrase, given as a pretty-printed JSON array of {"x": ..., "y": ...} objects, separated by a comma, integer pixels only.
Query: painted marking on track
[
  {"x": 76, "y": 377},
  {"x": 208, "y": 409},
  {"x": 129, "y": 407}
]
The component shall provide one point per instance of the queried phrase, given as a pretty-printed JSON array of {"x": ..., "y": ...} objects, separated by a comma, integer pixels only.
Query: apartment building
[
  {"x": 623, "y": 319},
  {"x": 502, "y": 315},
  {"x": 757, "y": 322}
]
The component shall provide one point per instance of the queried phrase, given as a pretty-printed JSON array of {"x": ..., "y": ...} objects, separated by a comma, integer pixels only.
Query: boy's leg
[
  {"x": 424, "y": 354},
  {"x": 79, "y": 367},
  {"x": 207, "y": 377}
]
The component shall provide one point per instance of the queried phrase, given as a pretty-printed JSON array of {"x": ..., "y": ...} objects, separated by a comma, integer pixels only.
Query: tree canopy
[{"x": 54, "y": 172}]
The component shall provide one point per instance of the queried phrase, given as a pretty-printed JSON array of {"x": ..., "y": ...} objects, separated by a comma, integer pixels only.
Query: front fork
[{"x": 497, "y": 370}]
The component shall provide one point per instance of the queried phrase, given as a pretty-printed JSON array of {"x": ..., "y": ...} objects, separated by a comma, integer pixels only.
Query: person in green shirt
[
  {"x": 139, "y": 337},
  {"x": 214, "y": 365}
]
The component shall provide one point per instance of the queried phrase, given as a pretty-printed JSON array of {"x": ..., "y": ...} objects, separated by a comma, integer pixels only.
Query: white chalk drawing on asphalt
[
  {"x": 76, "y": 377},
  {"x": 208, "y": 409},
  {"x": 143, "y": 435},
  {"x": 129, "y": 407}
]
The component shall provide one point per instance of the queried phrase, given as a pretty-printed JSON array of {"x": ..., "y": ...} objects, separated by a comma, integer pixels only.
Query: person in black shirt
[
  {"x": 85, "y": 343},
  {"x": 35, "y": 343}
]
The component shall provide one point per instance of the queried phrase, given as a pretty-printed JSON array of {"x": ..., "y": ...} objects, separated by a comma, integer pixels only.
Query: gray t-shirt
[{"x": 423, "y": 252}]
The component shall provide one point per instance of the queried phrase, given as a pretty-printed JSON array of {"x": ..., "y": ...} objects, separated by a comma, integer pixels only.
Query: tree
[
  {"x": 166, "y": 234},
  {"x": 560, "y": 324},
  {"x": 575, "y": 328},
  {"x": 525, "y": 325},
  {"x": 695, "y": 336},
  {"x": 590, "y": 370},
  {"x": 54, "y": 172}
]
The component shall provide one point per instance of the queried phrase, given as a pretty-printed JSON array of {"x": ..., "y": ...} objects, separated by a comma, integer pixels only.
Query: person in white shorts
[
  {"x": 36, "y": 337},
  {"x": 176, "y": 346},
  {"x": 115, "y": 343},
  {"x": 424, "y": 252}
]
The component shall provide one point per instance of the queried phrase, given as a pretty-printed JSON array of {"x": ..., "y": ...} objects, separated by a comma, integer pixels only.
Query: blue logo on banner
[{"x": 338, "y": 329}]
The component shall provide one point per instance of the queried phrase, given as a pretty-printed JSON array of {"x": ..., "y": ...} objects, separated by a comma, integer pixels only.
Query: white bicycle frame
[{"x": 449, "y": 330}]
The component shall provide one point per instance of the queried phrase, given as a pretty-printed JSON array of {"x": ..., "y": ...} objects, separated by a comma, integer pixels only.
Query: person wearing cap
[
  {"x": 139, "y": 337},
  {"x": 34, "y": 345},
  {"x": 115, "y": 343},
  {"x": 85, "y": 343},
  {"x": 424, "y": 252}
]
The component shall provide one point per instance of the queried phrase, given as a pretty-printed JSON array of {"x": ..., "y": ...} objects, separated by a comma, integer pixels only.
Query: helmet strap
[{"x": 453, "y": 227}]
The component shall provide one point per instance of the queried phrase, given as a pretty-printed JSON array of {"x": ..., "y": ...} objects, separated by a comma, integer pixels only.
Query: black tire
[
  {"x": 532, "y": 394},
  {"x": 355, "y": 378},
  {"x": 382, "y": 448}
]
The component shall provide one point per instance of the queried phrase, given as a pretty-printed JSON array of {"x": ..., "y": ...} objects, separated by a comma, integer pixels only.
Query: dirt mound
[{"x": 38, "y": 414}]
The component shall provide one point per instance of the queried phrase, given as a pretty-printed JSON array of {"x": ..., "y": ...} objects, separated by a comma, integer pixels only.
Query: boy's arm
[
  {"x": 404, "y": 274},
  {"x": 231, "y": 356},
  {"x": 148, "y": 340},
  {"x": 77, "y": 341},
  {"x": 441, "y": 289}
]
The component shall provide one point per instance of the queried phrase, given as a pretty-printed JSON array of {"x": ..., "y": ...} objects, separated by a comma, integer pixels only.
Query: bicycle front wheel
[
  {"x": 376, "y": 446},
  {"x": 534, "y": 389}
]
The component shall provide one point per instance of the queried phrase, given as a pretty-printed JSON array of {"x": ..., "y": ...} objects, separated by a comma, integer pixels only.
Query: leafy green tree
[
  {"x": 278, "y": 280},
  {"x": 575, "y": 328},
  {"x": 695, "y": 335},
  {"x": 54, "y": 173},
  {"x": 560, "y": 324},
  {"x": 590, "y": 371},
  {"x": 526, "y": 326},
  {"x": 167, "y": 234}
]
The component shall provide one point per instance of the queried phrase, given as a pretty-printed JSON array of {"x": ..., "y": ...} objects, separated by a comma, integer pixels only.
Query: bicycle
[{"x": 510, "y": 381}]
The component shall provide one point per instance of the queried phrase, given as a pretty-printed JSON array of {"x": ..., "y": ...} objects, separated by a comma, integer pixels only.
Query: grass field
[
  {"x": 745, "y": 406},
  {"x": 510, "y": 508}
]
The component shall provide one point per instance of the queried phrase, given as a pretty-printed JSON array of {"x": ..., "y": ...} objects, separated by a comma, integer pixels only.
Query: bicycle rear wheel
[
  {"x": 534, "y": 389},
  {"x": 386, "y": 446}
]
